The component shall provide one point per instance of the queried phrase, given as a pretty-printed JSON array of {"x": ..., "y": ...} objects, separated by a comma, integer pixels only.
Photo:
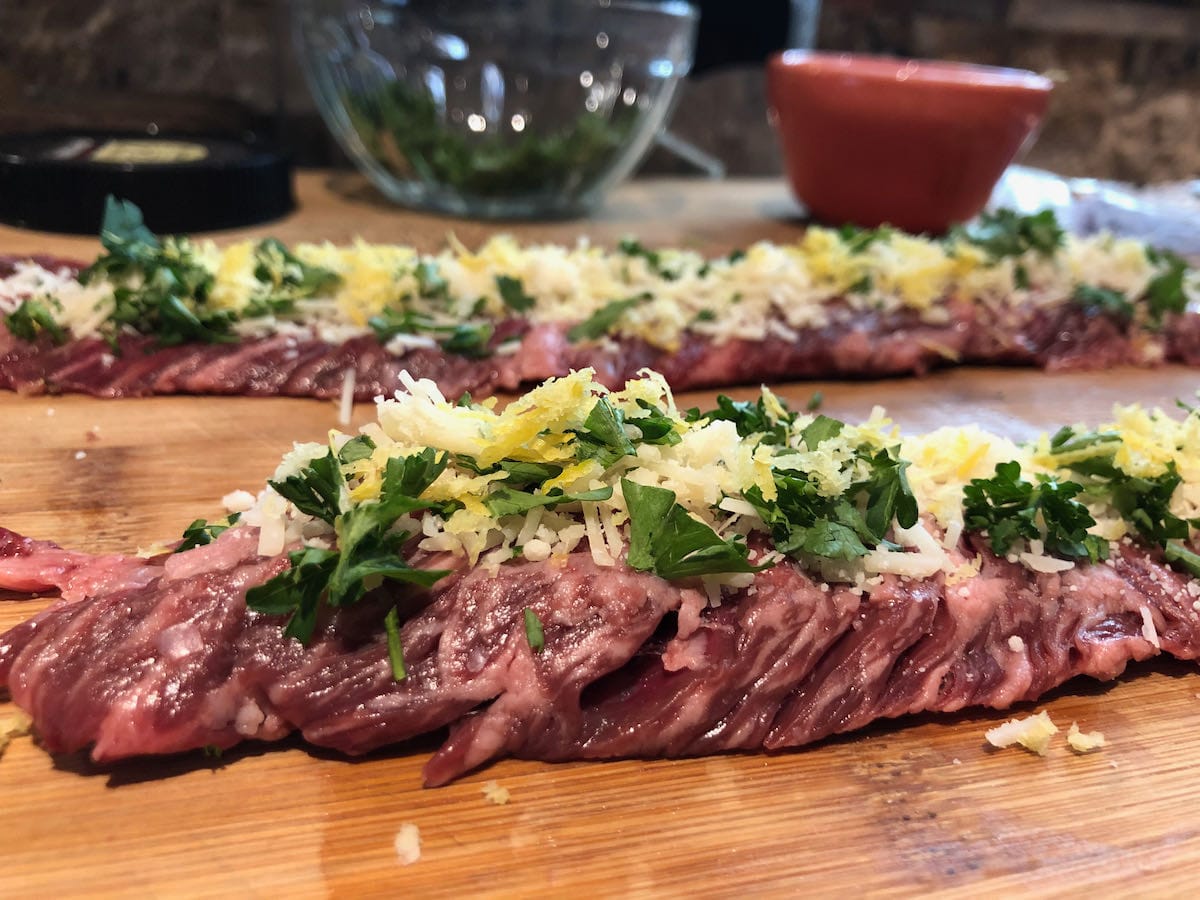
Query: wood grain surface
[{"x": 916, "y": 806}]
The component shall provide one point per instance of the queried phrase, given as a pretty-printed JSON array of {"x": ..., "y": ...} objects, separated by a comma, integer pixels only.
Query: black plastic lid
[{"x": 57, "y": 181}]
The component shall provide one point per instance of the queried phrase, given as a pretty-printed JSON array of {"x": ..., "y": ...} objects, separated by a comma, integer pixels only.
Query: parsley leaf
[
  {"x": 430, "y": 282},
  {"x": 821, "y": 429},
  {"x": 316, "y": 490},
  {"x": 749, "y": 418},
  {"x": 470, "y": 339},
  {"x": 666, "y": 540},
  {"x": 32, "y": 318},
  {"x": 1143, "y": 501},
  {"x": 368, "y": 549},
  {"x": 1098, "y": 300},
  {"x": 360, "y": 447},
  {"x": 857, "y": 239},
  {"x": 602, "y": 320},
  {"x": 159, "y": 287},
  {"x": 534, "y": 633},
  {"x": 391, "y": 624},
  {"x": 200, "y": 533},
  {"x": 518, "y": 472},
  {"x": 296, "y": 592},
  {"x": 507, "y": 502},
  {"x": 1009, "y": 509},
  {"x": 657, "y": 427},
  {"x": 122, "y": 229},
  {"x": 512, "y": 292},
  {"x": 635, "y": 250},
  {"x": 288, "y": 275},
  {"x": 603, "y": 436},
  {"x": 1069, "y": 445},
  {"x": 803, "y": 521},
  {"x": 889, "y": 497},
  {"x": 1004, "y": 232},
  {"x": 1165, "y": 293},
  {"x": 1182, "y": 558}
]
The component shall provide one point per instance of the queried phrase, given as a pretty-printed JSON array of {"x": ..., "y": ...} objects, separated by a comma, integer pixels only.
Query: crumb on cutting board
[
  {"x": 15, "y": 725},
  {"x": 495, "y": 793},
  {"x": 1033, "y": 733},
  {"x": 408, "y": 844},
  {"x": 1085, "y": 742}
]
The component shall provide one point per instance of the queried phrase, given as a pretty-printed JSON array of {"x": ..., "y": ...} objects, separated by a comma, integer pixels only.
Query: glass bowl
[{"x": 495, "y": 108}]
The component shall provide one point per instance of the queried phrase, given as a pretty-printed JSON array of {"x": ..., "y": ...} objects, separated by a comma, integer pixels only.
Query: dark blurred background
[{"x": 1127, "y": 107}]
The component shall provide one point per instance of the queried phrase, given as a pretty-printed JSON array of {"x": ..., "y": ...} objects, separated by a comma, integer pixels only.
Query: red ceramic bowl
[{"x": 915, "y": 144}]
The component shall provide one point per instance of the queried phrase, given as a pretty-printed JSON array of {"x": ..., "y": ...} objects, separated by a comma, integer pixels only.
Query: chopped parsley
[
  {"x": 806, "y": 522},
  {"x": 368, "y": 549},
  {"x": 602, "y": 321},
  {"x": 1144, "y": 502},
  {"x": 1165, "y": 293},
  {"x": 1182, "y": 558},
  {"x": 288, "y": 277},
  {"x": 508, "y": 502},
  {"x": 430, "y": 282},
  {"x": 391, "y": 625},
  {"x": 858, "y": 240},
  {"x": 534, "y": 633},
  {"x": 1004, "y": 232},
  {"x": 603, "y": 437},
  {"x": 32, "y": 319},
  {"x": 470, "y": 339},
  {"x": 512, "y": 292},
  {"x": 665, "y": 539},
  {"x": 1009, "y": 509},
  {"x": 200, "y": 533},
  {"x": 750, "y": 418},
  {"x": 636, "y": 250},
  {"x": 159, "y": 287},
  {"x": 357, "y": 448},
  {"x": 656, "y": 427},
  {"x": 1098, "y": 300}
]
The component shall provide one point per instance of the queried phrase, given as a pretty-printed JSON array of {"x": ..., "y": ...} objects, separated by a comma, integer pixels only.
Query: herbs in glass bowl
[{"x": 495, "y": 108}]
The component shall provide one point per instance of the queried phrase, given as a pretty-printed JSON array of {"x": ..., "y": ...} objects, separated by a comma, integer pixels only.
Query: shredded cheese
[
  {"x": 771, "y": 289},
  {"x": 1084, "y": 742},
  {"x": 1032, "y": 732},
  {"x": 408, "y": 844},
  {"x": 16, "y": 725},
  {"x": 713, "y": 471}
]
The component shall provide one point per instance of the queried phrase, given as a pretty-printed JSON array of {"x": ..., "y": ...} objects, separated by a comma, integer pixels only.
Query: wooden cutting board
[{"x": 907, "y": 807}]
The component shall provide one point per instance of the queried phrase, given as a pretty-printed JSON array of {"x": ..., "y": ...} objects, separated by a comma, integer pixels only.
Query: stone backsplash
[{"x": 1127, "y": 105}]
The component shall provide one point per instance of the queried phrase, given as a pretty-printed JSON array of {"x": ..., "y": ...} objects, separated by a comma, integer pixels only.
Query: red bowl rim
[{"x": 941, "y": 73}]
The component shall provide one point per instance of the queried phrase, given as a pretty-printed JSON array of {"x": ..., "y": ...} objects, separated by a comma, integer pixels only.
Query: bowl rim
[
  {"x": 684, "y": 9},
  {"x": 898, "y": 69}
]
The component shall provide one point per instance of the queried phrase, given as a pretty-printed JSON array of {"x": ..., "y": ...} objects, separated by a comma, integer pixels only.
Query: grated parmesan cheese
[
  {"x": 15, "y": 725},
  {"x": 495, "y": 793},
  {"x": 771, "y": 289},
  {"x": 408, "y": 844},
  {"x": 1149, "y": 631},
  {"x": 1084, "y": 742},
  {"x": 712, "y": 470},
  {"x": 1033, "y": 733}
]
